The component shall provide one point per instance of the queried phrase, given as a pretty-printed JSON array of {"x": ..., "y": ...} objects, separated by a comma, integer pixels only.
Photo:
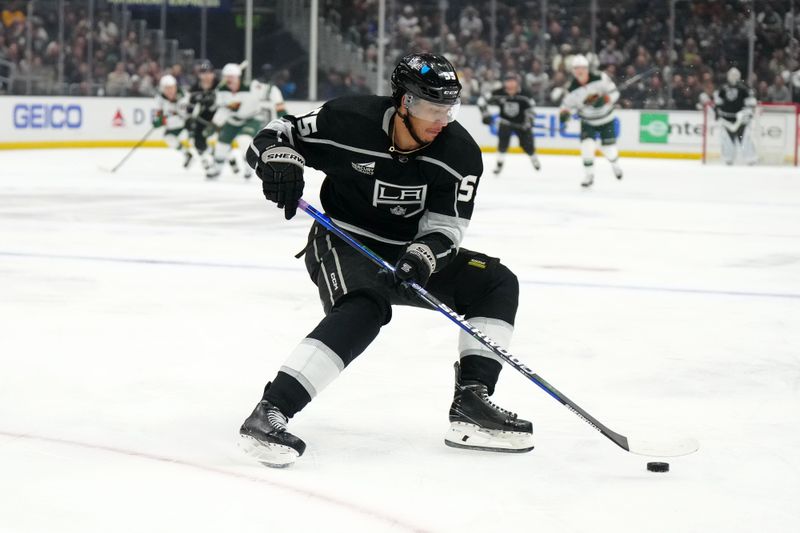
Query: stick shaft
[{"x": 135, "y": 146}]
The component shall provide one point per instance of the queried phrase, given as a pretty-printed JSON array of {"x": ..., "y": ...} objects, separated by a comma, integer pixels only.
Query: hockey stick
[
  {"x": 135, "y": 146},
  {"x": 635, "y": 79},
  {"x": 653, "y": 449}
]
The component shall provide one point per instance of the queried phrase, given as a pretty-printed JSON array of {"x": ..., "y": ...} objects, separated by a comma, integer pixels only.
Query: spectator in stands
[
  {"x": 13, "y": 14},
  {"x": 562, "y": 60},
  {"x": 408, "y": 23},
  {"x": 762, "y": 91},
  {"x": 579, "y": 42},
  {"x": 334, "y": 86},
  {"x": 609, "y": 55},
  {"x": 706, "y": 96},
  {"x": 179, "y": 75},
  {"x": 556, "y": 90},
  {"x": 360, "y": 85},
  {"x": 656, "y": 97},
  {"x": 470, "y": 88},
  {"x": 143, "y": 83},
  {"x": 283, "y": 81},
  {"x": 536, "y": 80},
  {"x": 778, "y": 92},
  {"x": 471, "y": 25},
  {"x": 118, "y": 82}
]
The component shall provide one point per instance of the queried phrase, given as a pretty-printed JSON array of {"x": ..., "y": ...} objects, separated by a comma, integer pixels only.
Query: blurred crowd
[
  {"x": 631, "y": 37},
  {"x": 120, "y": 64}
]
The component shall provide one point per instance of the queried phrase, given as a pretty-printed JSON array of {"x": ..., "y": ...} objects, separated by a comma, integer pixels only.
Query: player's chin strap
[
  {"x": 410, "y": 128},
  {"x": 671, "y": 449}
]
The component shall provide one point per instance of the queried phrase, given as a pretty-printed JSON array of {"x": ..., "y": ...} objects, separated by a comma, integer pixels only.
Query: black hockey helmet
[
  {"x": 205, "y": 66},
  {"x": 431, "y": 77}
]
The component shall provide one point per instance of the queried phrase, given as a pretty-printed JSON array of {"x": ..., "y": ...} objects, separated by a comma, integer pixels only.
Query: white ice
[{"x": 142, "y": 312}]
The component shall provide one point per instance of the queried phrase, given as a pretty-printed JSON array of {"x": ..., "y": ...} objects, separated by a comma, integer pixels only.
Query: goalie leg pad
[
  {"x": 727, "y": 147},
  {"x": 747, "y": 147}
]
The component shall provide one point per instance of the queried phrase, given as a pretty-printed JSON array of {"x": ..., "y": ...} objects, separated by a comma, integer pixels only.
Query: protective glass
[{"x": 430, "y": 111}]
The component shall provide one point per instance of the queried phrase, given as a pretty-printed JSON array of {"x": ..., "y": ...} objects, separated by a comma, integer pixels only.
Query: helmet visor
[{"x": 431, "y": 111}]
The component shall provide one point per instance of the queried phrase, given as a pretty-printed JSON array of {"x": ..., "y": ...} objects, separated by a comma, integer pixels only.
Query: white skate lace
[
  {"x": 484, "y": 394},
  {"x": 276, "y": 419}
]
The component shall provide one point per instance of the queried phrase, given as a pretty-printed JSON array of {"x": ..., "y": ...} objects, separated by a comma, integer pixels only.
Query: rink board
[{"x": 90, "y": 122}]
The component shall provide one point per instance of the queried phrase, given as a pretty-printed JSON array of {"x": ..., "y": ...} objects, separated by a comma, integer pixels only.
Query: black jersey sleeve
[{"x": 450, "y": 203}]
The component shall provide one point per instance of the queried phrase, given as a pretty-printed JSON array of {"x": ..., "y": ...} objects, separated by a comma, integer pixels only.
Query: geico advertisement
[{"x": 64, "y": 119}]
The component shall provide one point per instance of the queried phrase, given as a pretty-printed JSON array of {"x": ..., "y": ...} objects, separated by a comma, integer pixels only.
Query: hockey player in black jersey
[
  {"x": 516, "y": 116},
  {"x": 734, "y": 106},
  {"x": 202, "y": 105},
  {"x": 401, "y": 175}
]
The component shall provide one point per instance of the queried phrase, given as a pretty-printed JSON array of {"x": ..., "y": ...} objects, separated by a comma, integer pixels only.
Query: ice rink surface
[{"x": 142, "y": 312}]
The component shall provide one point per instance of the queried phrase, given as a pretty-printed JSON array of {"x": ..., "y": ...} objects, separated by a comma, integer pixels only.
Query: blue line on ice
[{"x": 248, "y": 266}]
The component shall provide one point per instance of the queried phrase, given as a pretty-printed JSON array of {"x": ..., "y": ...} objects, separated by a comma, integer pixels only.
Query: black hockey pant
[
  {"x": 524, "y": 134},
  {"x": 357, "y": 305}
]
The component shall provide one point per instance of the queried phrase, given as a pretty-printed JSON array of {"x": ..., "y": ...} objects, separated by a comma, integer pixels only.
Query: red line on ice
[{"x": 255, "y": 479}]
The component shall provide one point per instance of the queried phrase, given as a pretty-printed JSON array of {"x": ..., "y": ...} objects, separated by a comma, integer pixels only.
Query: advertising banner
[{"x": 52, "y": 122}]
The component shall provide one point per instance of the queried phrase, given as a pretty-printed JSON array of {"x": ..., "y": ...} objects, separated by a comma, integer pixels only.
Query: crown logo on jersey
[
  {"x": 398, "y": 210},
  {"x": 365, "y": 168}
]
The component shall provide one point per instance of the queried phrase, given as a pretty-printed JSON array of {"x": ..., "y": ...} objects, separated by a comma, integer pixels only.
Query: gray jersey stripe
[
  {"x": 441, "y": 164},
  {"x": 346, "y": 147}
]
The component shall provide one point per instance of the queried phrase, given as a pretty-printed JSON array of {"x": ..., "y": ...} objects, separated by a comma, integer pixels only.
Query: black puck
[{"x": 658, "y": 467}]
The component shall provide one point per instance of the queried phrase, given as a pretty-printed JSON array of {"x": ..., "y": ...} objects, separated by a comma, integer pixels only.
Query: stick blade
[{"x": 674, "y": 448}]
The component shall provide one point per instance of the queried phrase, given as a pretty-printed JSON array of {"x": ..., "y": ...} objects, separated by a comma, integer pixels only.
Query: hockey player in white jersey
[
  {"x": 242, "y": 110},
  {"x": 171, "y": 112},
  {"x": 592, "y": 96},
  {"x": 734, "y": 107}
]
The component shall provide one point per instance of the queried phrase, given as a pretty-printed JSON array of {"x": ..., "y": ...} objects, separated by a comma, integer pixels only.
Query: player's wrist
[{"x": 283, "y": 154}]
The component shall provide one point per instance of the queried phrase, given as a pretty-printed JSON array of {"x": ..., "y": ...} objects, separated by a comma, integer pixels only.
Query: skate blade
[
  {"x": 268, "y": 453},
  {"x": 472, "y": 437}
]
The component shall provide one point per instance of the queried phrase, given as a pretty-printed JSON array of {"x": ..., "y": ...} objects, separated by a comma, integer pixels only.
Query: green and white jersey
[
  {"x": 577, "y": 96},
  {"x": 174, "y": 112},
  {"x": 252, "y": 101}
]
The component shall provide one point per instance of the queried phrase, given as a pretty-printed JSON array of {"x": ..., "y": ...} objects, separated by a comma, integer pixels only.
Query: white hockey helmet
[
  {"x": 232, "y": 69},
  {"x": 734, "y": 76},
  {"x": 579, "y": 60},
  {"x": 167, "y": 80}
]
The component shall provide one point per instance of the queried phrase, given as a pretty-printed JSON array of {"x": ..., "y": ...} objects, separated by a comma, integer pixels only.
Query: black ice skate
[
  {"x": 234, "y": 165},
  {"x": 588, "y": 181},
  {"x": 498, "y": 169},
  {"x": 188, "y": 158},
  {"x": 264, "y": 437},
  {"x": 478, "y": 424}
]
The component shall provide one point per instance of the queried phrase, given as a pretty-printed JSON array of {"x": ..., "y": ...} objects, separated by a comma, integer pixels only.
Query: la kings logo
[
  {"x": 399, "y": 200},
  {"x": 511, "y": 109},
  {"x": 365, "y": 168}
]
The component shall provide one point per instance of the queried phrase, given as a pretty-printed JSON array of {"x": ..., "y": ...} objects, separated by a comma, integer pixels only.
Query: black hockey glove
[
  {"x": 281, "y": 171},
  {"x": 486, "y": 118},
  {"x": 415, "y": 265}
]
